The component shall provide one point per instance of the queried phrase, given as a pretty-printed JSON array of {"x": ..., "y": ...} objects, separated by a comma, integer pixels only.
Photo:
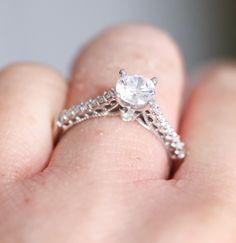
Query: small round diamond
[{"x": 135, "y": 90}]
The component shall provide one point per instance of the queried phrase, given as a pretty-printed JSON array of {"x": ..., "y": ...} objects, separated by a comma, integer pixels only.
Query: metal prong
[
  {"x": 155, "y": 80},
  {"x": 122, "y": 73},
  {"x": 123, "y": 81}
]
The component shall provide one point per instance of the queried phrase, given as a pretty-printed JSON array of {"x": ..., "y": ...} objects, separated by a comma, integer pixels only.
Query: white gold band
[{"x": 108, "y": 105}]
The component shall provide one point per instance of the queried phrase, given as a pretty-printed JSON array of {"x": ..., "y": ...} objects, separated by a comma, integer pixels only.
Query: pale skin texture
[{"x": 106, "y": 180}]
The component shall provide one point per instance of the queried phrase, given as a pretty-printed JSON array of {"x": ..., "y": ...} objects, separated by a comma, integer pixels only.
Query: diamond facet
[{"x": 135, "y": 91}]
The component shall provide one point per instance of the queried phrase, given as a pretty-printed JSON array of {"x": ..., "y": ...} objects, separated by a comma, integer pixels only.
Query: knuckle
[
  {"x": 220, "y": 75},
  {"x": 24, "y": 70}
]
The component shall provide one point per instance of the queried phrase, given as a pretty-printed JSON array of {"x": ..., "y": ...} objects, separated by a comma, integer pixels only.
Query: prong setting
[
  {"x": 154, "y": 80},
  {"x": 122, "y": 73}
]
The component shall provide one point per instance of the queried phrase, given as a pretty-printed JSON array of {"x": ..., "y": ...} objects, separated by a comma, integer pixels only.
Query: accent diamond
[{"x": 127, "y": 115}]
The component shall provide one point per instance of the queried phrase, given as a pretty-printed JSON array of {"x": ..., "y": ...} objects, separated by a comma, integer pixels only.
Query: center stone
[{"x": 135, "y": 90}]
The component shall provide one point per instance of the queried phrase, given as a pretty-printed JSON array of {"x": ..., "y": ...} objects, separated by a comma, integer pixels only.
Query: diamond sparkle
[{"x": 135, "y": 90}]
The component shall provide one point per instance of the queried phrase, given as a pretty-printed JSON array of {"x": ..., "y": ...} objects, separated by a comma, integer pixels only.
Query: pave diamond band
[{"x": 132, "y": 99}]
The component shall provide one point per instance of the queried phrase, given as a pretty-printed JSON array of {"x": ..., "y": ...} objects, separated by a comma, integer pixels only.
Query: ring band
[{"x": 134, "y": 98}]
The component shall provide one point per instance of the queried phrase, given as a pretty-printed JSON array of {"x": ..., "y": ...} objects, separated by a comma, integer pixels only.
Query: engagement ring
[{"x": 133, "y": 99}]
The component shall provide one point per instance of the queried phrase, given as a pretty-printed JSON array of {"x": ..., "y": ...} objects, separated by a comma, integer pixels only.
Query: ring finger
[{"x": 110, "y": 144}]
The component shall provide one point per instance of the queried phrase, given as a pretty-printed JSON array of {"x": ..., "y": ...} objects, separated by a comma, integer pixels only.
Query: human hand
[{"x": 107, "y": 180}]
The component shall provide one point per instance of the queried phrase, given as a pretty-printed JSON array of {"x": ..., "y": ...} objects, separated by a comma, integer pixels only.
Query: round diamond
[{"x": 135, "y": 90}]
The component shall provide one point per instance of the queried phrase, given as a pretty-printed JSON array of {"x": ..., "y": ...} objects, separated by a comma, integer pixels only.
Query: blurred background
[{"x": 52, "y": 31}]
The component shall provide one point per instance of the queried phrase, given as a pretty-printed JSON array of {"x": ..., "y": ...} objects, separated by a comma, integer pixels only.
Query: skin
[{"x": 107, "y": 180}]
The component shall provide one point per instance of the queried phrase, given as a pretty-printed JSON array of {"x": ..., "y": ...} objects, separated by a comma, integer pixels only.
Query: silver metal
[
  {"x": 154, "y": 80},
  {"x": 122, "y": 73},
  {"x": 108, "y": 104}
]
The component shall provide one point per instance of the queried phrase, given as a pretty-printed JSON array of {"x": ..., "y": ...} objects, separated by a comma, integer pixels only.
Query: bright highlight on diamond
[{"x": 135, "y": 90}]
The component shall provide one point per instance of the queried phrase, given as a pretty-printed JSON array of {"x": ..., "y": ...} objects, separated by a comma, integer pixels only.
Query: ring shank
[
  {"x": 107, "y": 105},
  {"x": 159, "y": 125}
]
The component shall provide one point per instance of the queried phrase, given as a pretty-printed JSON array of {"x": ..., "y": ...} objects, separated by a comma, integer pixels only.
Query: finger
[
  {"x": 31, "y": 95},
  {"x": 110, "y": 143},
  {"x": 209, "y": 129}
]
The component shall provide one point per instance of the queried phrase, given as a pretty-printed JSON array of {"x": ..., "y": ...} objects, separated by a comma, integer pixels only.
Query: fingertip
[
  {"x": 31, "y": 67},
  {"x": 209, "y": 121},
  {"x": 136, "y": 38},
  {"x": 219, "y": 73}
]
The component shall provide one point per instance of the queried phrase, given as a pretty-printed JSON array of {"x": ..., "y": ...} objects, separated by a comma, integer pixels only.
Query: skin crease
[{"x": 106, "y": 180}]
